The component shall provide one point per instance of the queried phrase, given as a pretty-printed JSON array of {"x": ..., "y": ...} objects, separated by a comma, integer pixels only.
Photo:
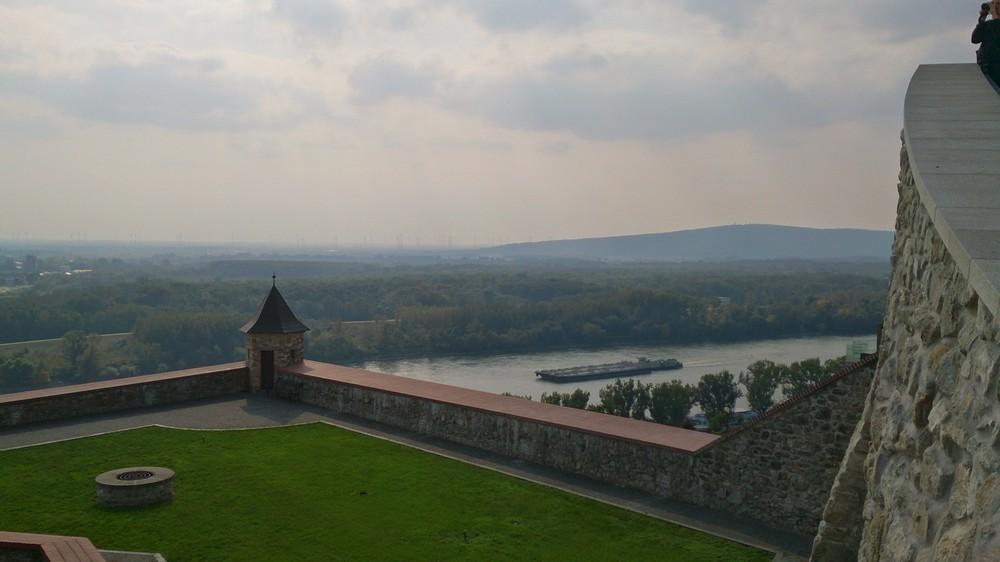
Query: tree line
[
  {"x": 443, "y": 310},
  {"x": 670, "y": 403},
  {"x": 605, "y": 302}
]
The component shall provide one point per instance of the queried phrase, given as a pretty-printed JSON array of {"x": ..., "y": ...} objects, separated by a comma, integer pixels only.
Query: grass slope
[{"x": 317, "y": 492}]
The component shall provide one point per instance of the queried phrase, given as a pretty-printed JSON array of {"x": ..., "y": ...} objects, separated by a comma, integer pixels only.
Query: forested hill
[{"x": 720, "y": 243}]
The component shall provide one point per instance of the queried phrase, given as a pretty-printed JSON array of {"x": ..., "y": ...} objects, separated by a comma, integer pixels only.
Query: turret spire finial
[{"x": 274, "y": 279}]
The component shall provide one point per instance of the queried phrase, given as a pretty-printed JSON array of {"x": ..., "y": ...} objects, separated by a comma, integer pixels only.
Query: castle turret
[{"x": 275, "y": 339}]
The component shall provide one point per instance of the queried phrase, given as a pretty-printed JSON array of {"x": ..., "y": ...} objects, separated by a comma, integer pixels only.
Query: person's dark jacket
[{"x": 988, "y": 34}]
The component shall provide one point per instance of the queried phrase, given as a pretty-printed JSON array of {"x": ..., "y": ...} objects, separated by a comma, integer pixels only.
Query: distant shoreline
[{"x": 609, "y": 347}]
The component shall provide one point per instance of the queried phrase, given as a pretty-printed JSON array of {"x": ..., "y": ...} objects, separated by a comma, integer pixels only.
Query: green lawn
[{"x": 317, "y": 492}]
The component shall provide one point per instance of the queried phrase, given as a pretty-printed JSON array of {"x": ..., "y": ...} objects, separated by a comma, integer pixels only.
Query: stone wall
[
  {"x": 658, "y": 470},
  {"x": 931, "y": 475},
  {"x": 779, "y": 469},
  {"x": 123, "y": 394},
  {"x": 839, "y": 533}
]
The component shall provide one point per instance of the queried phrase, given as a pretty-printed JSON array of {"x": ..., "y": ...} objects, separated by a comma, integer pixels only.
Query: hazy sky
[{"x": 483, "y": 120}]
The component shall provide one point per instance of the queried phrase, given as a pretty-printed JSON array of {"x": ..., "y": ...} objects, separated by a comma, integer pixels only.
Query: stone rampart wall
[
  {"x": 124, "y": 394},
  {"x": 931, "y": 476},
  {"x": 658, "y": 470},
  {"x": 777, "y": 471}
]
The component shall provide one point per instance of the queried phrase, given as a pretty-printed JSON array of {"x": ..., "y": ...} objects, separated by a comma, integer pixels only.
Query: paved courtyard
[{"x": 249, "y": 411}]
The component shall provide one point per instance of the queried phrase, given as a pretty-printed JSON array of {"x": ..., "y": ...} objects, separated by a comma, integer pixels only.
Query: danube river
[{"x": 515, "y": 373}]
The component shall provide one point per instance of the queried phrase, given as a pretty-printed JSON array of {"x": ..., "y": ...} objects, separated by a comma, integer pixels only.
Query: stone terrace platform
[
  {"x": 579, "y": 420},
  {"x": 952, "y": 133},
  {"x": 248, "y": 411}
]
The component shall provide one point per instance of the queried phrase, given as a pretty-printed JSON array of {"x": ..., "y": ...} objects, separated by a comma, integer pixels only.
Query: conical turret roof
[{"x": 274, "y": 317}]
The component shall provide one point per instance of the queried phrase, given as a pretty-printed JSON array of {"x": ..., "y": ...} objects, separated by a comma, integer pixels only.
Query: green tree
[
  {"x": 555, "y": 398},
  {"x": 16, "y": 373},
  {"x": 670, "y": 402},
  {"x": 330, "y": 347},
  {"x": 760, "y": 381},
  {"x": 625, "y": 398},
  {"x": 643, "y": 400},
  {"x": 835, "y": 364},
  {"x": 802, "y": 375},
  {"x": 716, "y": 393},
  {"x": 81, "y": 354},
  {"x": 74, "y": 347},
  {"x": 578, "y": 399},
  {"x": 190, "y": 339}
]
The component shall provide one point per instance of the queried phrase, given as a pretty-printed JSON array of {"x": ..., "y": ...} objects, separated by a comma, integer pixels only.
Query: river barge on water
[{"x": 642, "y": 366}]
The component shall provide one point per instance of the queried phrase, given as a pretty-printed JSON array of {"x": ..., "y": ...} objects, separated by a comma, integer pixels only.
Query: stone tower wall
[
  {"x": 289, "y": 349},
  {"x": 922, "y": 480}
]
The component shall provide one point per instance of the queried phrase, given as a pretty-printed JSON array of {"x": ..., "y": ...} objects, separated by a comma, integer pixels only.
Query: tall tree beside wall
[
  {"x": 80, "y": 351},
  {"x": 16, "y": 373},
  {"x": 716, "y": 393},
  {"x": 760, "y": 381},
  {"x": 670, "y": 402},
  {"x": 625, "y": 398}
]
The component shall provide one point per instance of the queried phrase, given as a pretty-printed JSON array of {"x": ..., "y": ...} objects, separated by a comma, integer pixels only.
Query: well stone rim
[{"x": 112, "y": 478}]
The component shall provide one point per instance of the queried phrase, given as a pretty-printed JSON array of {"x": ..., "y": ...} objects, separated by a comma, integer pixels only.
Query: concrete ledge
[{"x": 952, "y": 135}]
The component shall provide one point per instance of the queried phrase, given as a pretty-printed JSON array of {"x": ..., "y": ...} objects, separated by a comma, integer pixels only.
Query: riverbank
[{"x": 542, "y": 349}]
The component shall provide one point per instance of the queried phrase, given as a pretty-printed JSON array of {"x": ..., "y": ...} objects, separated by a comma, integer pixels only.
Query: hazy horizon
[
  {"x": 373, "y": 244},
  {"x": 465, "y": 123}
]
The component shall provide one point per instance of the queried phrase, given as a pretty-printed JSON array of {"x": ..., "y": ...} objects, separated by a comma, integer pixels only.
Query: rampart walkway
[{"x": 952, "y": 134}]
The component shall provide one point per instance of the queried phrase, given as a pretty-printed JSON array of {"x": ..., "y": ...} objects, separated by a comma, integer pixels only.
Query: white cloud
[
  {"x": 540, "y": 117},
  {"x": 319, "y": 19},
  {"x": 163, "y": 90},
  {"x": 519, "y": 15},
  {"x": 383, "y": 78}
]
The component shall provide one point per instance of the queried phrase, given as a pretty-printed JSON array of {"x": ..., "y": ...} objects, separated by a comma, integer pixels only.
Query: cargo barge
[{"x": 642, "y": 366}]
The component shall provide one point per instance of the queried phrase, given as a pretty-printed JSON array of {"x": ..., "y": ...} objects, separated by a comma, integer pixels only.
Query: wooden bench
[{"x": 50, "y": 548}]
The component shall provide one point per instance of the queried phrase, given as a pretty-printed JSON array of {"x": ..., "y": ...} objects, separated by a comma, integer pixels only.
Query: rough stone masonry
[{"x": 921, "y": 479}]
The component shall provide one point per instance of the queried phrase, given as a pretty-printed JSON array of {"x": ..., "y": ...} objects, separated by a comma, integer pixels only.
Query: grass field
[{"x": 317, "y": 492}]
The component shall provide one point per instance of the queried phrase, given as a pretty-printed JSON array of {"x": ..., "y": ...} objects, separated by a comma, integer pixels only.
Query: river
[{"x": 515, "y": 373}]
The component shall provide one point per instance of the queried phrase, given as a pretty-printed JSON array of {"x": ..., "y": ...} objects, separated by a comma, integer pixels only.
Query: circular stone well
[{"x": 135, "y": 486}]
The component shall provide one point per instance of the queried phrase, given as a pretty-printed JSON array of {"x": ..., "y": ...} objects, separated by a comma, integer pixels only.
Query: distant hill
[{"x": 719, "y": 243}]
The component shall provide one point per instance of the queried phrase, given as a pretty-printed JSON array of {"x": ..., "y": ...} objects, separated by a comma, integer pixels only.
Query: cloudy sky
[{"x": 337, "y": 121}]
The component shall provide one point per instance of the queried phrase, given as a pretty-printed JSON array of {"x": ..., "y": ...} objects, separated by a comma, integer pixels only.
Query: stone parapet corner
[{"x": 951, "y": 133}]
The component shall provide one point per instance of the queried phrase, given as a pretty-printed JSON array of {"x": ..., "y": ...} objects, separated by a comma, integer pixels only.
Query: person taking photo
[{"x": 987, "y": 36}]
